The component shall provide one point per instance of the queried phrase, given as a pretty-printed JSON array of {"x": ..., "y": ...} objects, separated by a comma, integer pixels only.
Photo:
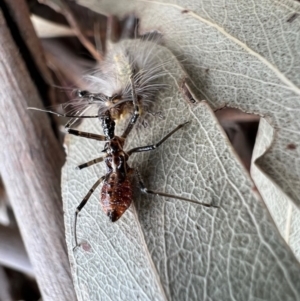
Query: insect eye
[{"x": 81, "y": 94}]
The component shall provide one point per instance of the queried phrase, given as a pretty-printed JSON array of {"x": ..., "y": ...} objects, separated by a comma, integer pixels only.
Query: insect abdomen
[{"x": 116, "y": 196}]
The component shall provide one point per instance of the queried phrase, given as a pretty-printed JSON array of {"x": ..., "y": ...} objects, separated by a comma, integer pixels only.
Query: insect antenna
[{"x": 62, "y": 114}]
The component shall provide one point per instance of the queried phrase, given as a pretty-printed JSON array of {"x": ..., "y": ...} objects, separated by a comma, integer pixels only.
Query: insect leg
[
  {"x": 84, "y": 165},
  {"x": 136, "y": 112},
  {"x": 148, "y": 191},
  {"x": 154, "y": 146},
  {"x": 86, "y": 135},
  {"x": 82, "y": 204}
]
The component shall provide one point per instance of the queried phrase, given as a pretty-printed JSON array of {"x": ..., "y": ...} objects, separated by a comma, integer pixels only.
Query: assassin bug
[{"x": 117, "y": 189}]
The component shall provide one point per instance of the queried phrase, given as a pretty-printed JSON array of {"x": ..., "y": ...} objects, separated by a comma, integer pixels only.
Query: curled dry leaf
[
  {"x": 47, "y": 29},
  {"x": 166, "y": 249}
]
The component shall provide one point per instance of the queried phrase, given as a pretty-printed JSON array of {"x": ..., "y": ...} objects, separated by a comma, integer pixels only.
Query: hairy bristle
[{"x": 136, "y": 58}]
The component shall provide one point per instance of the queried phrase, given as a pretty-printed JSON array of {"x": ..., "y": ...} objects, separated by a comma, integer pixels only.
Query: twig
[
  {"x": 31, "y": 159},
  {"x": 12, "y": 251}
]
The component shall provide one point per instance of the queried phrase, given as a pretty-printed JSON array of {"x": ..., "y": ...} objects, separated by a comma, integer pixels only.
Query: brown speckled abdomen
[{"x": 116, "y": 196}]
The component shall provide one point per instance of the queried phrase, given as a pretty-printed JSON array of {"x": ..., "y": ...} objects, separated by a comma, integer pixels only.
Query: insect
[{"x": 117, "y": 189}]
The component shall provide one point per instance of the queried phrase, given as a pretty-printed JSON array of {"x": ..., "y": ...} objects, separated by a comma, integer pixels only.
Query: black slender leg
[
  {"x": 148, "y": 191},
  {"x": 92, "y": 162},
  {"x": 86, "y": 135},
  {"x": 82, "y": 204},
  {"x": 136, "y": 112},
  {"x": 154, "y": 146}
]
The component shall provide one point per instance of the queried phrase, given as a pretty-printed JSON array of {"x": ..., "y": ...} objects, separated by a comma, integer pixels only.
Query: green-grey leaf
[
  {"x": 246, "y": 55},
  {"x": 165, "y": 249}
]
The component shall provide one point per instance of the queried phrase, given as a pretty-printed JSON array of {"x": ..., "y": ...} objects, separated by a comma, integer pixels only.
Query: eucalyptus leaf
[
  {"x": 168, "y": 249},
  {"x": 243, "y": 55}
]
